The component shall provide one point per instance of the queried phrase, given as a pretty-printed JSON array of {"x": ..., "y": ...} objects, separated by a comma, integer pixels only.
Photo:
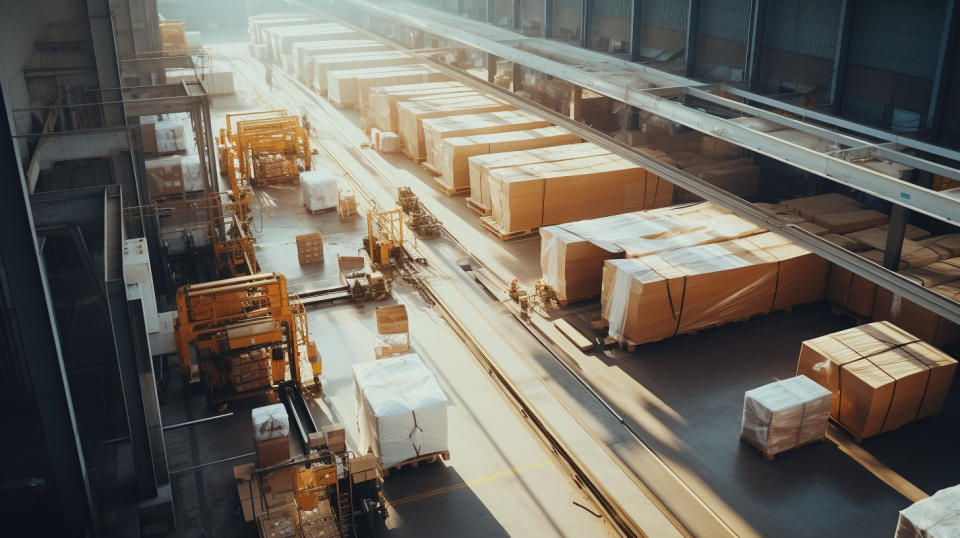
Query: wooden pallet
[
  {"x": 769, "y": 457},
  {"x": 414, "y": 462},
  {"x": 493, "y": 227},
  {"x": 482, "y": 211},
  {"x": 450, "y": 191}
]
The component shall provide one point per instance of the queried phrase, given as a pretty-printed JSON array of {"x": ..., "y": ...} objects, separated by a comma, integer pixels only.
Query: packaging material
[
  {"x": 335, "y": 436},
  {"x": 350, "y": 87},
  {"x": 389, "y": 142},
  {"x": 410, "y": 116},
  {"x": 718, "y": 149},
  {"x": 310, "y": 250},
  {"x": 785, "y": 414},
  {"x": 388, "y": 345},
  {"x": 850, "y": 221},
  {"x": 164, "y": 176},
  {"x": 393, "y": 331},
  {"x": 305, "y": 53},
  {"x": 173, "y": 36},
  {"x": 192, "y": 173},
  {"x": 881, "y": 376},
  {"x": 382, "y": 100},
  {"x": 937, "y": 516},
  {"x": 810, "y": 207},
  {"x": 271, "y": 432},
  {"x": 452, "y": 158},
  {"x": 171, "y": 135},
  {"x": 481, "y": 166},
  {"x": 402, "y": 411},
  {"x": 950, "y": 244},
  {"x": 280, "y": 39},
  {"x": 319, "y": 522},
  {"x": 280, "y": 522},
  {"x": 251, "y": 370},
  {"x": 319, "y": 187},
  {"x": 316, "y": 60},
  {"x": 436, "y": 129},
  {"x": 927, "y": 325}
]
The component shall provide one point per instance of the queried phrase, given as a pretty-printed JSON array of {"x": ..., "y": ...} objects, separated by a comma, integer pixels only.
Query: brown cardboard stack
[
  {"x": 271, "y": 431},
  {"x": 173, "y": 36},
  {"x": 307, "y": 52},
  {"x": 918, "y": 320},
  {"x": 309, "y": 248},
  {"x": 850, "y": 221},
  {"x": 350, "y": 87},
  {"x": 251, "y": 370},
  {"x": 913, "y": 253},
  {"x": 785, "y": 414},
  {"x": 455, "y": 152},
  {"x": 393, "y": 331},
  {"x": 718, "y": 149},
  {"x": 436, "y": 129},
  {"x": 276, "y": 166},
  {"x": 335, "y": 436},
  {"x": 277, "y": 490},
  {"x": 882, "y": 377},
  {"x": 410, "y": 115},
  {"x": 382, "y": 100},
  {"x": 363, "y": 468},
  {"x": 355, "y": 61},
  {"x": 164, "y": 176},
  {"x": 282, "y": 38},
  {"x": 319, "y": 522},
  {"x": 822, "y": 204},
  {"x": 737, "y": 176},
  {"x": 481, "y": 166},
  {"x": 280, "y": 522},
  {"x": 937, "y": 516}
]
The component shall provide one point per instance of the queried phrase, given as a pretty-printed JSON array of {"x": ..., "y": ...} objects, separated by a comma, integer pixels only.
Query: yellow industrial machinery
[
  {"x": 270, "y": 146},
  {"x": 239, "y": 335},
  {"x": 384, "y": 239}
]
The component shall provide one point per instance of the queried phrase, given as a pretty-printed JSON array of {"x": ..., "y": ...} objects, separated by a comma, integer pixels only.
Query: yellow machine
[
  {"x": 384, "y": 239},
  {"x": 270, "y": 146},
  {"x": 239, "y": 335}
]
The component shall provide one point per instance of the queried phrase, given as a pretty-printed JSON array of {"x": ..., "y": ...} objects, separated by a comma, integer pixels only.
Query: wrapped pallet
[
  {"x": 283, "y": 38},
  {"x": 410, "y": 116},
  {"x": 164, "y": 176},
  {"x": 481, "y": 166},
  {"x": 881, "y": 376},
  {"x": 452, "y": 159},
  {"x": 349, "y": 87},
  {"x": 190, "y": 166},
  {"x": 171, "y": 135},
  {"x": 355, "y": 61},
  {"x": 401, "y": 409},
  {"x": 436, "y": 129},
  {"x": 318, "y": 188},
  {"x": 382, "y": 100},
  {"x": 306, "y": 53},
  {"x": 271, "y": 431},
  {"x": 937, "y": 516},
  {"x": 785, "y": 414},
  {"x": 258, "y": 24}
]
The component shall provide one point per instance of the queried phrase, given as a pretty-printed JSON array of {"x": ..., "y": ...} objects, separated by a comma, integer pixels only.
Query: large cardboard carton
[
  {"x": 641, "y": 299},
  {"x": 347, "y": 87},
  {"x": 802, "y": 274},
  {"x": 382, "y": 100},
  {"x": 850, "y": 221},
  {"x": 590, "y": 187},
  {"x": 516, "y": 198},
  {"x": 306, "y": 52},
  {"x": 942, "y": 369},
  {"x": 822, "y": 204},
  {"x": 410, "y": 115},
  {"x": 436, "y": 129},
  {"x": 336, "y": 60}
]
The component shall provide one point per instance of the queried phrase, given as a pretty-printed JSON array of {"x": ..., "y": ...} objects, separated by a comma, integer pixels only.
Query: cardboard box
[
  {"x": 382, "y": 105},
  {"x": 810, "y": 207},
  {"x": 350, "y": 87},
  {"x": 410, "y": 116},
  {"x": 942, "y": 369},
  {"x": 307, "y": 52},
  {"x": 436, "y": 129},
  {"x": 335, "y": 436},
  {"x": 281, "y": 522},
  {"x": 850, "y": 221},
  {"x": 316, "y": 440},
  {"x": 273, "y": 451},
  {"x": 358, "y": 62}
]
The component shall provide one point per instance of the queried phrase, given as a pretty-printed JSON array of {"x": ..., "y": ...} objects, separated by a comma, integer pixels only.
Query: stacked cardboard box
[
  {"x": 481, "y": 166},
  {"x": 363, "y": 468},
  {"x": 251, "y": 370},
  {"x": 277, "y": 491},
  {"x": 169, "y": 135},
  {"x": 937, "y": 516},
  {"x": 354, "y": 61},
  {"x": 309, "y": 248},
  {"x": 282, "y": 38},
  {"x": 882, "y": 377},
  {"x": 164, "y": 176},
  {"x": 393, "y": 331},
  {"x": 436, "y": 129},
  {"x": 258, "y": 24},
  {"x": 785, "y": 414},
  {"x": 276, "y": 167},
  {"x": 351, "y": 87},
  {"x": 173, "y": 37},
  {"x": 410, "y": 116},
  {"x": 271, "y": 431},
  {"x": 382, "y": 100},
  {"x": 307, "y": 53}
]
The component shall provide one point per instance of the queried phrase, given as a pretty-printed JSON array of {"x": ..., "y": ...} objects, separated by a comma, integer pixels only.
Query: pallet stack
[
  {"x": 410, "y": 116},
  {"x": 351, "y": 87},
  {"x": 251, "y": 370},
  {"x": 310, "y": 248},
  {"x": 784, "y": 415}
]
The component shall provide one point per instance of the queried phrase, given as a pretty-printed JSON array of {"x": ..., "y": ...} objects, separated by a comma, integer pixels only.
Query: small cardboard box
[
  {"x": 316, "y": 440},
  {"x": 335, "y": 436},
  {"x": 273, "y": 451}
]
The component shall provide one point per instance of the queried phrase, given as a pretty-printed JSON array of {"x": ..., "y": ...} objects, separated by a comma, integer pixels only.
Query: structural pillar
[
  {"x": 548, "y": 19},
  {"x": 576, "y": 104},
  {"x": 491, "y": 68},
  {"x": 586, "y": 7},
  {"x": 896, "y": 231},
  {"x": 758, "y": 21},
  {"x": 690, "y": 47},
  {"x": 941, "y": 78},
  {"x": 840, "y": 54},
  {"x": 635, "y": 8}
]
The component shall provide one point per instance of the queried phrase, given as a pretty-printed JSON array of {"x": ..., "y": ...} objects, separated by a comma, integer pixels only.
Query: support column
[
  {"x": 491, "y": 68},
  {"x": 840, "y": 54},
  {"x": 548, "y": 19},
  {"x": 586, "y": 7},
  {"x": 516, "y": 78},
  {"x": 516, "y": 21},
  {"x": 576, "y": 104},
  {"x": 690, "y": 47},
  {"x": 635, "y": 8},
  {"x": 491, "y": 11},
  {"x": 941, "y": 79},
  {"x": 758, "y": 22},
  {"x": 896, "y": 231}
]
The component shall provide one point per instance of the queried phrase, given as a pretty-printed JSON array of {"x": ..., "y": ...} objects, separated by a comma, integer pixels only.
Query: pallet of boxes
[
  {"x": 881, "y": 377},
  {"x": 401, "y": 413},
  {"x": 251, "y": 370},
  {"x": 269, "y": 499},
  {"x": 393, "y": 331},
  {"x": 784, "y": 415},
  {"x": 937, "y": 516}
]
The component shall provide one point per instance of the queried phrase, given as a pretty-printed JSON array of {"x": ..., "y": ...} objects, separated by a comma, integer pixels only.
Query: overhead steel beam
[
  {"x": 636, "y": 7},
  {"x": 548, "y": 19},
  {"x": 945, "y": 58},
  {"x": 844, "y": 28},
  {"x": 74, "y": 145},
  {"x": 690, "y": 43},
  {"x": 758, "y": 20}
]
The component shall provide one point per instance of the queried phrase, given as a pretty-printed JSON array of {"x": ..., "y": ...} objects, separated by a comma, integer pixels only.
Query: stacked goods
[
  {"x": 257, "y": 24},
  {"x": 393, "y": 331},
  {"x": 850, "y": 221},
  {"x": 410, "y": 115},
  {"x": 276, "y": 166},
  {"x": 164, "y": 176},
  {"x": 912, "y": 317},
  {"x": 388, "y": 143},
  {"x": 278, "y": 490},
  {"x": 686, "y": 289},
  {"x": 173, "y": 36},
  {"x": 715, "y": 148},
  {"x": 251, "y": 371},
  {"x": 282, "y": 39},
  {"x": 382, "y": 101},
  {"x": 738, "y": 176},
  {"x": 455, "y": 152},
  {"x": 163, "y": 137},
  {"x": 436, "y": 129},
  {"x": 523, "y": 198},
  {"x": 346, "y": 203},
  {"x": 482, "y": 165},
  {"x": 811, "y": 207},
  {"x": 572, "y": 254},
  {"x": 271, "y": 431},
  {"x": 309, "y": 248},
  {"x": 785, "y": 414},
  {"x": 337, "y": 61},
  {"x": 318, "y": 188},
  {"x": 913, "y": 254},
  {"x": 350, "y": 87},
  {"x": 306, "y": 52},
  {"x": 402, "y": 411},
  {"x": 363, "y": 468},
  {"x": 937, "y": 516},
  {"x": 190, "y": 167}
]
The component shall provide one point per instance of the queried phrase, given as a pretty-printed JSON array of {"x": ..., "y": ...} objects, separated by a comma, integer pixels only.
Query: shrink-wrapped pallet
[
  {"x": 481, "y": 166},
  {"x": 271, "y": 432},
  {"x": 164, "y": 176},
  {"x": 349, "y": 87},
  {"x": 382, "y": 100},
  {"x": 356, "y": 61},
  {"x": 410, "y": 116},
  {"x": 436, "y": 129},
  {"x": 190, "y": 166},
  {"x": 171, "y": 135},
  {"x": 282, "y": 38},
  {"x": 306, "y": 53},
  {"x": 937, "y": 516},
  {"x": 318, "y": 188},
  {"x": 401, "y": 409},
  {"x": 785, "y": 414}
]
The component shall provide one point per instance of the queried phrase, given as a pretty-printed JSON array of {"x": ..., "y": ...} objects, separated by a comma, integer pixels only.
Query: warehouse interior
[{"x": 480, "y": 268}]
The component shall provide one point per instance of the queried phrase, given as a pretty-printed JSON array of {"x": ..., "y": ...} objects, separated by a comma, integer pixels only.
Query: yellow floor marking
[
  {"x": 467, "y": 484},
  {"x": 872, "y": 464}
]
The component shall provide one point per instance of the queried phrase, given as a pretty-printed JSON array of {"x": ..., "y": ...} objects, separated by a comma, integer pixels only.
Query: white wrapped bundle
[
  {"x": 934, "y": 517},
  {"x": 785, "y": 414},
  {"x": 270, "y": 422},
  {"x": 192, "y": 175},
  {"x": 318, "y": 188},
  {"x": 170, "y": 136},
  {"x": 401, "y": 409}
]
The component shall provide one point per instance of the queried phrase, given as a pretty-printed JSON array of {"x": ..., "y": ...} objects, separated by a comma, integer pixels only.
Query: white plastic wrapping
[
  {"x": 270, "y": 422},
  {"x": 318, "y": 188},
  {"x": 785, "y": 414},
  {"x": 937, "y": 516},
  {"x": 171, "y": 135},
  {"x": 401, "y": 409},
  {"x": 192, "y": 174}
]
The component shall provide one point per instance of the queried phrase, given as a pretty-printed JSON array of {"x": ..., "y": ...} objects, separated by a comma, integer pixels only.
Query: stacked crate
[
  {"x": 310, "y": 248},
  {"x": 250, "y": 371}
]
